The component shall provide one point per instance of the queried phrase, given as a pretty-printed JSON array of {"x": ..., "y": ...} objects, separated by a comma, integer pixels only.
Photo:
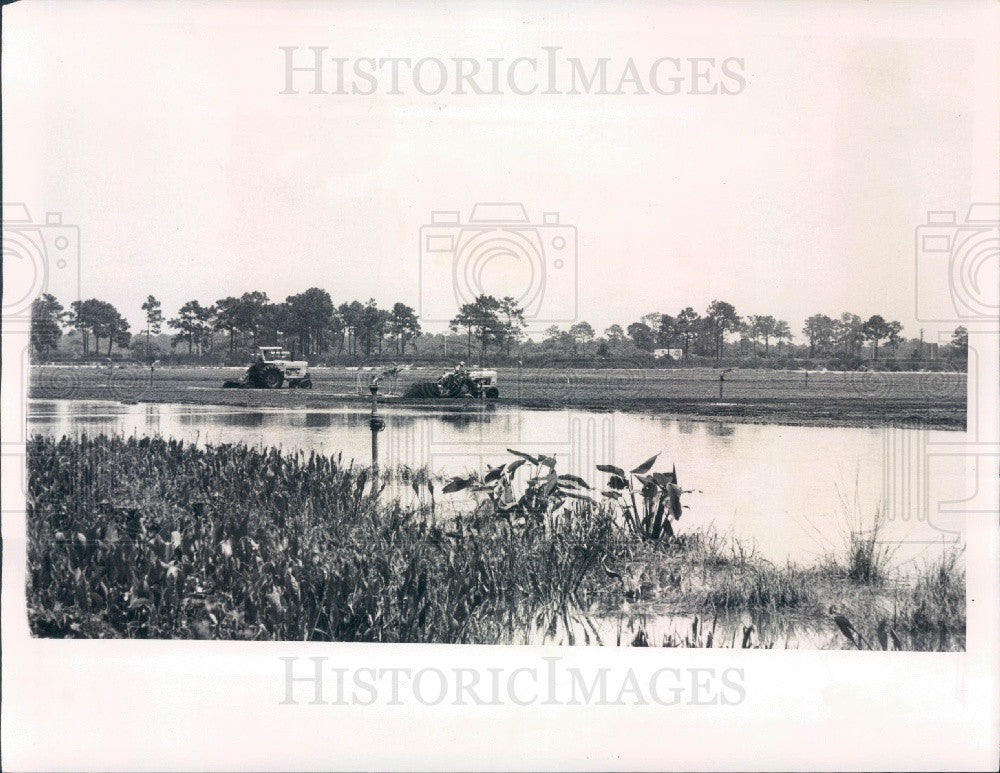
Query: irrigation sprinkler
[
  {"x": 722, "y": 380},
  {"x": 376, "y": 422},
  {"x": 391, "y": 388}
]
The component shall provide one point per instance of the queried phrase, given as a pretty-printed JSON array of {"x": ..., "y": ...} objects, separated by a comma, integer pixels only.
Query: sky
[{"x": 160, "y": 131}]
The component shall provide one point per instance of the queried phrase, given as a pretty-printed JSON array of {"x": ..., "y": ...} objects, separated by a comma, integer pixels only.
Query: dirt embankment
[{"x": 823, "y": 399}]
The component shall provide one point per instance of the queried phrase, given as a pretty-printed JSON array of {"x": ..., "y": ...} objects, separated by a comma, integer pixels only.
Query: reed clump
[{"x": 934, "y": 604}]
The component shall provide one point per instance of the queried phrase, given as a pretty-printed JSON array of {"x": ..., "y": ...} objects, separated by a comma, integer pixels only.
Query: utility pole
[{"x": 920, "y": 351}]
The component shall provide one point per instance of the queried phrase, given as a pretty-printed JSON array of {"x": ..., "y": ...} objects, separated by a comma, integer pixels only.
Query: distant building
[{"x": 673, "y": 354}]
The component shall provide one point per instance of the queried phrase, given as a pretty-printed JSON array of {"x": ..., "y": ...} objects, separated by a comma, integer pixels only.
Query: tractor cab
[{"x": 273, "y": 354}]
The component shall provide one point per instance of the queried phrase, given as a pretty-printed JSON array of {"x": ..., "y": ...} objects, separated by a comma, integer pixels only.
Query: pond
[{"x": 788, "y": 492}]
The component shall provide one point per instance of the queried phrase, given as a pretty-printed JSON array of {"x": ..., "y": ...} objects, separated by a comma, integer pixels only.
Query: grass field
[{"x": 870, "y": 398}]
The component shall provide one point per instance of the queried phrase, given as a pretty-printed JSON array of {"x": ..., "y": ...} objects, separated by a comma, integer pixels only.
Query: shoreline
[{"x": 831, "y": 399}]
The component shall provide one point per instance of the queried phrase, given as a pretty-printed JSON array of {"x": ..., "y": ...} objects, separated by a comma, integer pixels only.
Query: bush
[{"x": 842, "y": 361}]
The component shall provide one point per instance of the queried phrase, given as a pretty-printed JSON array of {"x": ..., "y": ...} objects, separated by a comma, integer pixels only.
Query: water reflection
[
  {"x": 319, "y": 420},
  {"x": 247, "y": 419},
  {"x": 719, "y": 429},
  {"x": 152, "y": 419},
  {"x": 461, "y": 420},
  {"x": 643, "y": 625}
]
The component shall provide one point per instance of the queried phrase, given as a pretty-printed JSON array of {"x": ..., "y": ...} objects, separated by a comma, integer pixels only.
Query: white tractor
[
  {"x": 486, "y": 383},
  {"x": 475, "y": 383},
  {"x": 271, "y": 368}
]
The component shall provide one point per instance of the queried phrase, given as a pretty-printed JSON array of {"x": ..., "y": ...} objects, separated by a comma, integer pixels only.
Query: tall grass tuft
[
  {"x": 869, "y": 556},
  {"x": 935, "y": 603},
  {"x": 865, "y": 555}
]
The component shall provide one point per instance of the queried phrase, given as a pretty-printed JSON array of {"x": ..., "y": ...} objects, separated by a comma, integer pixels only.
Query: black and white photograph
[{"x": 591, "y": 376}]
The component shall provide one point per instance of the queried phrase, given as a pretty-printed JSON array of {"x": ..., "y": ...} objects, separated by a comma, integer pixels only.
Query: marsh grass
[
  {"x": 154, "y": 538},
  {"x": 763, "y": 586},
  {"x": 922, "y": 610},
  {"x": 934, "y": 605},
  {"x": 721, "y": 576},
  {"x": 708, "y": 570}
]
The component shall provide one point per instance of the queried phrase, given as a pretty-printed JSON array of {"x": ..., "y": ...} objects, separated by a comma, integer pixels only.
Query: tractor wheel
[
  {"x": 306, "y": 383},
  {"x": 450, "y": 387},
  {"x": 492, "y": 393},
  {"x": 272, "y": 378},
  {"x": 254, "y": 377}
]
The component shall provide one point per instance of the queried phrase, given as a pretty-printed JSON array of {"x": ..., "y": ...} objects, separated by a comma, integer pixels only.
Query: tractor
[
  {"x": 474, "y": 383},
  {"x": 271, "y": 368}
]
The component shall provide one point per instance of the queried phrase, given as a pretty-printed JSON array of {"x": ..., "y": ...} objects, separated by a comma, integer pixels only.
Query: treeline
[
  {"x": 308, "y": 322},
  {"x": 709, "y": 334},
  {"x": 720, "y": 333},
  {"x": 312, "y": 326}
]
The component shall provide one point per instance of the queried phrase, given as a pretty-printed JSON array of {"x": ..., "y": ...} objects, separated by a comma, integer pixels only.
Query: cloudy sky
[{"x": 161, "y": 131}]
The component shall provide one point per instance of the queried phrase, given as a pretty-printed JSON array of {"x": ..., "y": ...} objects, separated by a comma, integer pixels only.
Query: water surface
[{"x": 788, "y": 492}]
